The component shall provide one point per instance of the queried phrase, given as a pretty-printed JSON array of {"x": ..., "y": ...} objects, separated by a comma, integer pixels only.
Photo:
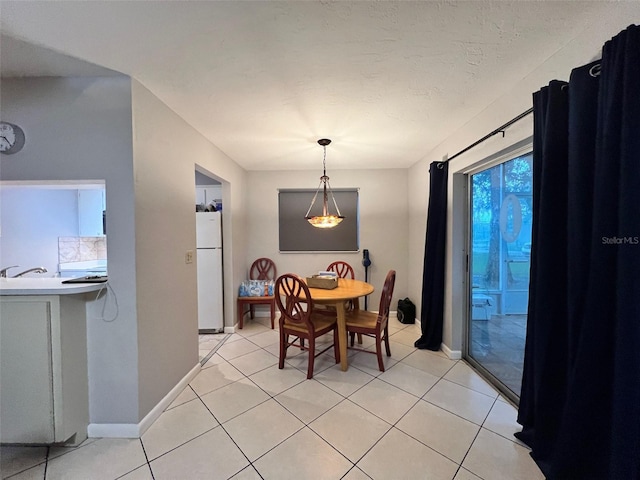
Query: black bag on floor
[{"x": 406, "y": 311}]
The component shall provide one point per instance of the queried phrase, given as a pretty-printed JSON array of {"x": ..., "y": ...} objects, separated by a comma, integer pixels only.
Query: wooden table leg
[
  {"x": 342, "y": 335},
  {"x": 356, "y": 306}
]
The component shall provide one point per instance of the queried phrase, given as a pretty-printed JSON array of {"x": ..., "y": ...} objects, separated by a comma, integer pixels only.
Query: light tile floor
[
  {"x": 498, "y": 345},
  {"x": 426, "y": 417}
]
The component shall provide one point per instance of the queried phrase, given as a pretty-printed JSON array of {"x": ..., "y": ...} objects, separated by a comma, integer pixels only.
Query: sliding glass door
[{"x": 499, "y": 260}]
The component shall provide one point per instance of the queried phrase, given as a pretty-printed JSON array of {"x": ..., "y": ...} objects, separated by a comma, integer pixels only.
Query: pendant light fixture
[{"x": 326, "y": 220}]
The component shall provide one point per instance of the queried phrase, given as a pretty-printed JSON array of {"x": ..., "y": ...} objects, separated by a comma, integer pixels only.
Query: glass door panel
[{"x": 499, "y": 261}]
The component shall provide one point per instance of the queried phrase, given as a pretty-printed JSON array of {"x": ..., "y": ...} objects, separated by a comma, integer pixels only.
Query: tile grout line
[
  {"x": 273, "y": 397},
  {"x": 395, "y": 424},
  {"x": 144, "y": 450},
  {"x": 46, "y": 463},
  {"x": 270, "y": 397},
  {"x": 229, "y": 435}
]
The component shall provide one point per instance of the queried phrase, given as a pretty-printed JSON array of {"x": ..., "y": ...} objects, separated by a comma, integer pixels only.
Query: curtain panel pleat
[
  {"x": 580, "y": 398},
  {"x": 432, "y": 307}
]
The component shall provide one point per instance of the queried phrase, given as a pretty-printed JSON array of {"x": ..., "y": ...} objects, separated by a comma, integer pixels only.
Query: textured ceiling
[{"x": 386, "y": 81}]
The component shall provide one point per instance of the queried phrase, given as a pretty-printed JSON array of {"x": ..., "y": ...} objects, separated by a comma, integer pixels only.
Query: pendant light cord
[{"x": 324, "y": 161}]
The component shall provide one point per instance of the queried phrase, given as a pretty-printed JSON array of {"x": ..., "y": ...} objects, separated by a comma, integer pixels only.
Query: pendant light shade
[{"x": 326, "y": 220}]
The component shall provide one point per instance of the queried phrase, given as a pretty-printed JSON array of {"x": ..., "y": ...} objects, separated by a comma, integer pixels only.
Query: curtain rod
[{"x": 500, "y": 129}]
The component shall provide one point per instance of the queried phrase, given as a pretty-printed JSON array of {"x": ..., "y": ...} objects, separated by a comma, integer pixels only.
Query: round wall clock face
[{"x": 11, "y": 138}]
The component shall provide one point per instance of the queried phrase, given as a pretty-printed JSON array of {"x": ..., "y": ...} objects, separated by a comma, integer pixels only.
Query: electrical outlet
[{"x": 188, "y": 257}]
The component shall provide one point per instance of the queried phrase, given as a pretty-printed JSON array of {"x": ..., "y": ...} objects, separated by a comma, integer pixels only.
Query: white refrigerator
[{"x": 209, "y": 264}]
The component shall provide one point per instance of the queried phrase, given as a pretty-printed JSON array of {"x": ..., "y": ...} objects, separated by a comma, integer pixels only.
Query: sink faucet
[
  {"x": 34, "y": 270},
  {"x": 3, "y": 272}
]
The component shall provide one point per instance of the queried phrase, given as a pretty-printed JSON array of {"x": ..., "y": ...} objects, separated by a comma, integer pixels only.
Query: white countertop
[{"x": 45, "y": 286}]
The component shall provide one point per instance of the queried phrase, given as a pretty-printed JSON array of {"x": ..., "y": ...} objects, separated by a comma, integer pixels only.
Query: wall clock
[{"x": 11, "y": 138}]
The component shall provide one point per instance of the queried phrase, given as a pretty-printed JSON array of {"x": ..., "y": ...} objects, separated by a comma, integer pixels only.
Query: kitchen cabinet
[
  {"x": 43, "y": 365},
  {"x": 91, "y": 204},
  {"x": 207, "y": 194}
]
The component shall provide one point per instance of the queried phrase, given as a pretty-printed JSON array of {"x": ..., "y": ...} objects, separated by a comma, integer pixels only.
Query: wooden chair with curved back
[
  {"x": 298, "y": 319},
  {"x": 261, "y": 269},
  {"x": 372, "y": 324},
  {"x": 343, "y": 269}
]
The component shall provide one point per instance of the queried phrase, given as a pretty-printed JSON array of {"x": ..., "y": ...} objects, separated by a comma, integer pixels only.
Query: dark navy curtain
[
  {"x": 432, "y": 309},
  {"x": 580, "y": 398}
]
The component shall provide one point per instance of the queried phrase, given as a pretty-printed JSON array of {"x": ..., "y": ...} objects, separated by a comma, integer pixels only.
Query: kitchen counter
[
  {"x": 45, "y": 286},
  {"x": 43, "y": 336}
]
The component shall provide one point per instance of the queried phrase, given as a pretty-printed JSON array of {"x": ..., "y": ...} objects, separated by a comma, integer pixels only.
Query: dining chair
[
  {"x": 297, "y": 318},
  {"x": 261, "y": 269},
  {"x": 372, "y": 324},
  {"x": 342, "y": 269}
]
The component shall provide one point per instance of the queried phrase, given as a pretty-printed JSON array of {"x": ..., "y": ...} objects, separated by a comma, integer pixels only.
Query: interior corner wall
[
  {"x": 166, "y": 151},
  {"x": 383, "y": 227},
  {"x": 516, "y": 99},
  {"x": 80, "y": 129}
]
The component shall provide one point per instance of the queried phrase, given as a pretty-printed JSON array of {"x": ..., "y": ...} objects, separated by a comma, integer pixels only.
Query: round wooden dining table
[{"x": 347, "y": 289}]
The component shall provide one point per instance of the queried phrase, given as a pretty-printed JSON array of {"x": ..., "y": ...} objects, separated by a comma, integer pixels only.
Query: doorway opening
[{"x": 209, "y": 264}]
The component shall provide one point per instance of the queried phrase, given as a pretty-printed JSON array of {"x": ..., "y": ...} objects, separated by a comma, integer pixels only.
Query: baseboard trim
[
  {"x": 135, "y": 430},
  {"x": 113, "y": 430},
  {"x": 452, "y": 354}
]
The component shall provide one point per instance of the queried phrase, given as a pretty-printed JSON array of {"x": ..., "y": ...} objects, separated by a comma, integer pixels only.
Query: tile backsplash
[{"x": 81, "y": 249}]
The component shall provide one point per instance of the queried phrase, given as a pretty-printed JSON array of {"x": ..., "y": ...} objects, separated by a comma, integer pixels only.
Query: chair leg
[
  {"x": 379, "y": 353},
  {"x": 352, "y": 336},
  {"x": 252, "y": 310},
  {"x": 386, "y": 341},
  {"x": 336, "y": 345},
  {"x": 359, "y": 339},
  {"x": 301, "y": 343},
  {"x": 273, "y": 313},
  {"x": 312, "y": 357},
  {"x": 240, "y": 307},
  {"x": 284, "y": 339}
]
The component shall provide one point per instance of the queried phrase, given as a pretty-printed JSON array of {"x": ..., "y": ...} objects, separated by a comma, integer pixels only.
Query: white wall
[
  {"x": 80, "y": 129},
  {"x": 383, "y": 224},
  {"x": 516, "y": 99},
  {"x": 83, "y": 129},
  {"x": 31, "y": 220},
  {"x": 166, "y": 150}
]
